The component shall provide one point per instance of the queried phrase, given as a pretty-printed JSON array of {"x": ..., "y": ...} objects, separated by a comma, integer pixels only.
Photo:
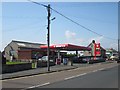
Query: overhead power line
[
  {"x": 74, "y": 21},
  {"x": 81, "y": 25},
  {"x": 38, "y": 3}
]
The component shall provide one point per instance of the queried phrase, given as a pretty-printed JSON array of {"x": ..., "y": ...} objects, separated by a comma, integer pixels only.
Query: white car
[
  {"x": 45, "y": 58},
  {"x": 113, "y": 57}
]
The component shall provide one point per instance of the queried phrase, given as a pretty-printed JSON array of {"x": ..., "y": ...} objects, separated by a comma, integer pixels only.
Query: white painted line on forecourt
[{"x": 38, "y": 85}]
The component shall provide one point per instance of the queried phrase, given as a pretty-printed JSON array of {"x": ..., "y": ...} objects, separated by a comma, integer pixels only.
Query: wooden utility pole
[
  {"x": 118, "y": 48},
  {"x": 48, "y": 38}
]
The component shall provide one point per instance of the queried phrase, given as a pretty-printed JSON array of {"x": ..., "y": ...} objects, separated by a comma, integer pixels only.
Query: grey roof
[
  {"x": 100, "y": 46},
  {"x": 27, "y": 44}
]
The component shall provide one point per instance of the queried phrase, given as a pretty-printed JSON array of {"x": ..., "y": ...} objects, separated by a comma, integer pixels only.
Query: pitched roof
[
  {"x": 100, "y": 46},
  {"x": 27, "y": 44}
]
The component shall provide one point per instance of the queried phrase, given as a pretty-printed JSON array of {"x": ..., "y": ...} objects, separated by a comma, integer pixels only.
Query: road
[
  {"x": 107, "y": 78},
  {"x": 97, "y": 75}
]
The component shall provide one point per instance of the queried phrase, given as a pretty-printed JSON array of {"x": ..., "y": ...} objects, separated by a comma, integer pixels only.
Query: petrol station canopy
[{"x": 67, "y": 47}]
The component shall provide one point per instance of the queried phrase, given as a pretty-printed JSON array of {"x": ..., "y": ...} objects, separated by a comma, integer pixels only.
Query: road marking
[
  {"x": 95, "y": 71},
  {"x": 81, "y": 74},
  {"x": 39, "y": 85},
  {"x": 69, "y": 77},
  {"x": 101, "y": 69},
  {"x": 75, "y": 76}
]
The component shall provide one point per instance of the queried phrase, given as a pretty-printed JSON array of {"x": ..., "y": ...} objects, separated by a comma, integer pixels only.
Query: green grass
[
  {"x": 13, "y": 63},
  {"x": 9, "y": 63}
]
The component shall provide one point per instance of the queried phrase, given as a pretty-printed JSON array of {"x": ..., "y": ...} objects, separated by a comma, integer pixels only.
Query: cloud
[
  {"x": 80, "y": 40},
  {"x": 72, "y": 38},
  {"x": 69, "y": 34}
]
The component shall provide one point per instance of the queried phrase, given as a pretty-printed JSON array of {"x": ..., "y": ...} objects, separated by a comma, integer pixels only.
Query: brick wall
[{"x": 24, "y": 54}]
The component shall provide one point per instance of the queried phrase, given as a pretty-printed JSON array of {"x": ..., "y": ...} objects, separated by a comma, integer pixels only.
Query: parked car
[
  {"x": 113, "y": 57},
  {"x": 42, "y": 62},
  {"x": 45, "y": 59},
  {"x": 80, "y": 60}
]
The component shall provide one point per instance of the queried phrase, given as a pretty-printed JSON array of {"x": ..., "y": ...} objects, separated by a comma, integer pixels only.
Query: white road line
[
  {"x": 95, "y": 71},
  {"x": 101, "y": 69},
  {"x": 75, "y": 76},
  {"x": 69, "y": 77},
  {"x": 81, "y": 74},
  {"x": 39, "y": 85}
]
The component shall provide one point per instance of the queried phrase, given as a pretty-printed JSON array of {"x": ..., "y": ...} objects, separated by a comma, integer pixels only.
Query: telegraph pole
[
  {"x": 118, "y": 48},
  {"x": 48, "y": 38}
]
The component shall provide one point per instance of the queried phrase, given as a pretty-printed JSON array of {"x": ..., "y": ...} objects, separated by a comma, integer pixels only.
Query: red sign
[{"x": 97, "y": 49}]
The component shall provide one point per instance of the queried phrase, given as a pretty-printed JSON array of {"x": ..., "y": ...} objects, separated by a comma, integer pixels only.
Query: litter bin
[{"x": 65, "y": 61}]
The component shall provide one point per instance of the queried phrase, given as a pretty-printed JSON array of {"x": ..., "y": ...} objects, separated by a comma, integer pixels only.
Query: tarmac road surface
[
  {"x": 107, "y": 78},
  {"x": 86, "y": 76}
]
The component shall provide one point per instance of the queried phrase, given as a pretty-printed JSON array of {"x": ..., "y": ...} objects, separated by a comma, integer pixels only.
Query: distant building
[
  {"x": 96, "y": 50},
  {"x": 111, "y": 52},
  {"x": 16, "y": 50}
]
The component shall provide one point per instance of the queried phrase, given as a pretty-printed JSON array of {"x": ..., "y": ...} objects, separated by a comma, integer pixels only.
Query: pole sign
[{"x": 97, "y": 51}]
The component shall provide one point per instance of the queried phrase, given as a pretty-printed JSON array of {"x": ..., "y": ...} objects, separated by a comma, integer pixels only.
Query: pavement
[
  {"x": 36, "y": 71},
  {"x": 43, "y": 70}
]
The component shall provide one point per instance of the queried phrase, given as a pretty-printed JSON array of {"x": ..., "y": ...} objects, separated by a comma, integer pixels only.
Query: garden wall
[{"x": 16, "y": 67}]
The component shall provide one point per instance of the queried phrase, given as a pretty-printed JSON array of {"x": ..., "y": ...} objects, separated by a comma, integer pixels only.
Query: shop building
[{"x": 17, "y": 50}]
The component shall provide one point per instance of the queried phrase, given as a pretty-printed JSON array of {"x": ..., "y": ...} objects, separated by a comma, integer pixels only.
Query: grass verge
[{"x": 9, "y": 63}]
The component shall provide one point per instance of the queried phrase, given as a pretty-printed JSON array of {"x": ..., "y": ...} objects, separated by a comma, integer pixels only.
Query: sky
[{"x": 26, "y": 21}]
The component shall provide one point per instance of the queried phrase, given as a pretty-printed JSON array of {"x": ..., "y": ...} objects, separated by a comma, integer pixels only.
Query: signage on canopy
[{"x": 62, "y": 45}]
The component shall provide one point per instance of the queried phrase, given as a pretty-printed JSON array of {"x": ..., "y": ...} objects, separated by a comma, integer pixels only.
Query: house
[
  {"x": 96, "y": 50},
  {"x": 20, "y": 50}
]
